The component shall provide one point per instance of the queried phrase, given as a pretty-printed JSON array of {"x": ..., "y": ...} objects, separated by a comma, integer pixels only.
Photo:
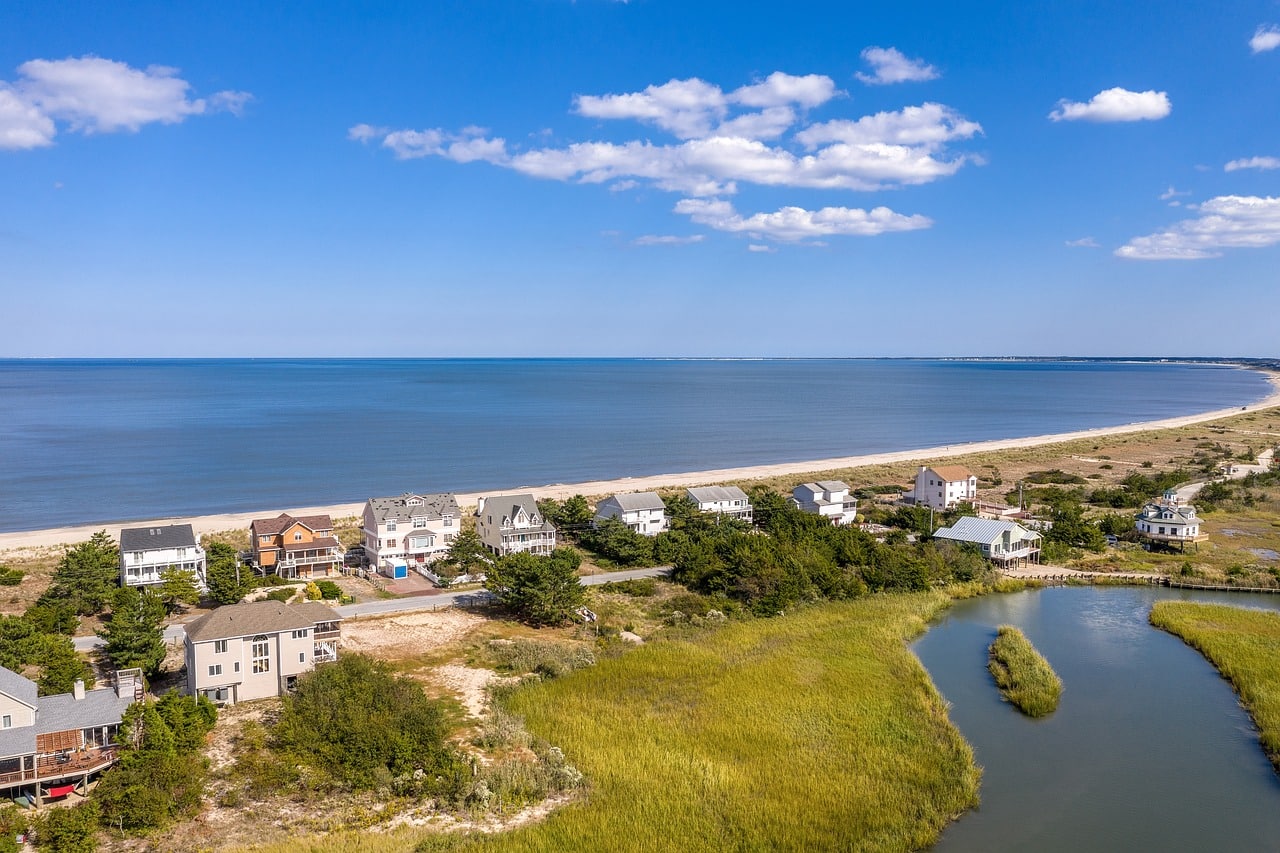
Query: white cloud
[
  {"x": 1265, "y": 163},
  {"x": 1266, "y": 37},
  {"x": 1173, "y": 193},
  {"x": 1084, "y": 243},
  {"x": 1225, "y": 222},
  {"x": 889, "y": 65},
  {"x": 758, "y": 247},
  {"x": 1115, "y": 105},
  {"x": 95, "y": 95},
  {"x": 790, "y": 224},
  {"x": 928, "y": 126},
  {"x": 667, "y": 240}
]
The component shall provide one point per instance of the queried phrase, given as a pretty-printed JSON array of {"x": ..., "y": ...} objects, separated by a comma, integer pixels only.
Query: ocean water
[{"x": 92, "y": 441}]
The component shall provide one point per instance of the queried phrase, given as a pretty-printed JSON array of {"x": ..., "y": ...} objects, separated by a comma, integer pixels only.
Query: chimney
[
  {"x": 77, "y": 690},
  {"x": 480, "y": 506}
]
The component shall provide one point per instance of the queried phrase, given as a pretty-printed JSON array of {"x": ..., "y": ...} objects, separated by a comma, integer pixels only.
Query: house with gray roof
[
  {"x": 416, "y": 528},
  {"x": 52, "y": 745},
  {"x": 643, "y": 512},
  {"x": 827, "y": 498},
  {"x": 1002, "y": 542},
  {"x": 147, "y": 551},
  {"x": 721, "y": 500},
  {"x": 1168, "y": 521},
  {"x": 251, "y": 651},
  {"x": 511, "y": 524}
]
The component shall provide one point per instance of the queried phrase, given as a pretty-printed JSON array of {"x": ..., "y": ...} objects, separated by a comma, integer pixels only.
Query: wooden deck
[{"x": 50, "y": 768}]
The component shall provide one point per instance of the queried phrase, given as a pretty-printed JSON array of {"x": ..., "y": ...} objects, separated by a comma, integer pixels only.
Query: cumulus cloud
[
  {"x": 791, "y": 224},
  {"x": 1266, "y": 37},
  {"x": 94, "y": 95},
  {"x": 1115, "y": 105},
  {"x": 756, "y": 134},
  {"x": 667, "y": 240},
  {"x": 889, "y": 65},
  {"x": 1225, "y": 222},
  {"x": 1265, "y": 163},
  {"x": 1084, "y": 243}
]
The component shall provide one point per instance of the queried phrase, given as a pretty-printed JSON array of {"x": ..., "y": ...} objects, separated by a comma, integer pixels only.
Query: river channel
[{"x": 1149, "y": 749}]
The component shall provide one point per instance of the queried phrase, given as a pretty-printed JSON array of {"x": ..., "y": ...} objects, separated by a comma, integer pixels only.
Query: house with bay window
[
  {"x": 414, "y": 529},
  {"x": 145, "y": 552},
  {"x": 251, "y": 651}
]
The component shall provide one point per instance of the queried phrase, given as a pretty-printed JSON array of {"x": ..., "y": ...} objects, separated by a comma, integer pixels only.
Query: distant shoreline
[{"x": 202, "y": 524}]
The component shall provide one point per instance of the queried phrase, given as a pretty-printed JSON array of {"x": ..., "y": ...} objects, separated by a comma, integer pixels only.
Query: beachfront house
[
  {"x": 147, "y": 551},
  {"x": 721, "y": 500},
  {"x": 643, "y": 512},
  {"x": 1168, "y": 521},
  {"x": 944, "y": 486},
  {"x": 827, "y": 498},
  {"x": 301, "y": 547},
  {"x": 1002, "y": 542},
  {"x": 511, "y": 524},
  {"x": 251, "y": 651},
  {"x": 412, "y": 530},
  {"x": 53, "y": 745}
]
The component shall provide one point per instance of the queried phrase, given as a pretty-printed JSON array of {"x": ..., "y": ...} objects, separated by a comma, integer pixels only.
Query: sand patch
[{"x": 407, "y": 634}]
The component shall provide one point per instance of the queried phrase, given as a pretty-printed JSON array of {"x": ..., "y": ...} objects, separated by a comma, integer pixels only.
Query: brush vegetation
[
  {"x": 1244, "y": 645},
  {"x": 1023, "y": 675},
  {"x": 816, "y": 731}
]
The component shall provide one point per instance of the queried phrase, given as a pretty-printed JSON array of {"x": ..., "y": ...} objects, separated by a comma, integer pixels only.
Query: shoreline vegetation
[
  {"x": 1243, "y": 645},
  {"x": 1025, "y": 678},
  {"x": 819, "y": 468}
]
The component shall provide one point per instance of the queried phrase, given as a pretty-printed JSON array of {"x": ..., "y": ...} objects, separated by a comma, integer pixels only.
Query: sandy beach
[{"x": 229, "y": 521}]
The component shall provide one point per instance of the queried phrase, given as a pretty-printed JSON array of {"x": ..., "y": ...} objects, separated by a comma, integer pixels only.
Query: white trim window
[{"x": 261, "y": 654}]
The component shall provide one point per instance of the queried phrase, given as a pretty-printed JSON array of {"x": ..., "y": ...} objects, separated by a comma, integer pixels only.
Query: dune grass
[
  {"x": 1024, "y": 677},
  {"x": 1244, "y": 645},
  {"x": 814, "y": 731}
]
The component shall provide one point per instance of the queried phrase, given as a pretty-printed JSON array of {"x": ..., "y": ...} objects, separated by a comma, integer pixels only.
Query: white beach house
[
  {"x": 643, "y": 512},
  {"x": 944, "y": 486},
  {"x": 147, "y": 551},
  {"x": 1170, "y": 522},
  {"x": 416, "y": 529},
  {"x": 721, "y": 500},
  {"x": 827, "y": 498},
  {"x": 510, "y": 524},
  {"x": 1001, "y": 542}
]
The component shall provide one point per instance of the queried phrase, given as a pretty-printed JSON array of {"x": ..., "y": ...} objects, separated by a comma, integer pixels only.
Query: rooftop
[
  {"x": 155, "y": 538},
  {"x": 258, "y": 617}
]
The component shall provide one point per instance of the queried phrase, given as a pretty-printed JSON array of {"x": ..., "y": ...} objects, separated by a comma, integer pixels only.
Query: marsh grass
[
  {"x": 1244, "y": 645},
  {"x": 1024, "y": 677}
]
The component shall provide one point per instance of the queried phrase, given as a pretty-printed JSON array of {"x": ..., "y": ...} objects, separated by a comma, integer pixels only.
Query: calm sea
[{"x": 90, "y": 441}]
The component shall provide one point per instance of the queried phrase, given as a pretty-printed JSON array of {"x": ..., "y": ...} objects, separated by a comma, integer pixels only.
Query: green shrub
[
  {"x": 548, "y": 659},
  {"x": 10, "y": 577},
  {"x": 637, "y": 587},
  {"x": 329, "y": 590},
  {"x": 282, "y": 595},
  {"x": 73, "y": 830}
]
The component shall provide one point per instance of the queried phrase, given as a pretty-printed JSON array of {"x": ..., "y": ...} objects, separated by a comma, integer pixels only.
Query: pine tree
[{"x": 133, "y": 635}]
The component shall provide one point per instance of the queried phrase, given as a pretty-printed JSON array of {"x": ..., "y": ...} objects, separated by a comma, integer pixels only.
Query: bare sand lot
[{"x": 228, "y": 521}]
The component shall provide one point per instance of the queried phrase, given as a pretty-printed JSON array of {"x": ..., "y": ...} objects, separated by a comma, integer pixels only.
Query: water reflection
[{"x": 1149, "y": 749}]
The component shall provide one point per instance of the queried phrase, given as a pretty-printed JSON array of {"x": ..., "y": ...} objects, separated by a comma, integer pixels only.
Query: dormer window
[
  {"x": 391, "y": 525},
  {"x": 297, "y": 537}
]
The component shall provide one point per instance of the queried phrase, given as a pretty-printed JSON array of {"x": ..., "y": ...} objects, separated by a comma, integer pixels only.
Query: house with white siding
[
  {"x": 1168, "y": 521},
  {"x": 944, "y": 486},
  {"x": 511, "y": 524},
  {"x": 415, "y": 528},
  {"x": 827, "y": 498},
  {"x": 643, "y": 512},
  {"x": 1001, "y": 542},
  {"x": 251, "y": 651},
  {"x": 721, "y": 500},
  {"x": 147, "y": 551}
]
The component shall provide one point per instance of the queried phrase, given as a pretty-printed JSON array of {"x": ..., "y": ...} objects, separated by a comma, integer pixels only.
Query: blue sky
[{"x": 547, "y": 178}]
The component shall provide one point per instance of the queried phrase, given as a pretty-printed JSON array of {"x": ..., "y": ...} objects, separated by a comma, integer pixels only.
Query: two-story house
[
  {"x": 944, "y": 486},
  {"x": 53, "y": 745},
  {"x": 414, "y": 528},
  {"x": 827, "y": 498},
  {"x": 721, "y": 500},
  {"x": 1168, "y": 521},
  {"x": 643, "y": 512},
  {"x": 250, "y": 651},
  {"x": 147, "y": 551},
  {"x": 301, "y": 547},
  {"x": 1001, "y": 542},
  {"x": 510, "y": 524}
]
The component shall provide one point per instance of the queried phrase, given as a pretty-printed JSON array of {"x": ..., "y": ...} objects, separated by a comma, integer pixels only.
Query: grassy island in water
[{"x": 1024, "y": 677}]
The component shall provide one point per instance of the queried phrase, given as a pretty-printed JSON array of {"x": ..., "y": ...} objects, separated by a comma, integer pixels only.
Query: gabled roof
[
  {"x": 635, "y": 501},
  {"x": 982, "y": 531},
  {"x": 433, "y": 507},
  {"x": 281, "y": 523},
  {"x": 18, "y": 687},
  {"x": 1182, "y": 513},
  {"x": 833, "y": 485},
  {"x": 713, "y": 494},
  {"x": 155, "y": 538},
  {"x": 102, "y": 707},
  {"x": 951, "y": 473},
  {"x": 258, "y": 617}
]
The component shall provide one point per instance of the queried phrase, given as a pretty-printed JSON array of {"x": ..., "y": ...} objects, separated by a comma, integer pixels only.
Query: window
[
  {"x": 182, "y": 552},
  {"x": 419, "y": 522},
  {"x": 391, "y": 526},
  {"x": 302, "y": 657},
  {"x": 215, "y": 669},
  {"x": 219, "y": 646},
  {"x": 7, "y": 721},
  {"x": 448, "y": 521},
  {"x": 297, "y": 537},
  {"x": 137, "y": 556},
  {"x": 300, "y": 634},
  {"x": 261, "y": 655},
  {"x": 236, "y": 668}
]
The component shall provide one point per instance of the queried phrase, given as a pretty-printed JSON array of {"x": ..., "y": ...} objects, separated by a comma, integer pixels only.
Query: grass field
[
  {"x": 1244, "y": 645},
  {"x": 814, "y": 731},
  {"x": 1024, "y": 677}
]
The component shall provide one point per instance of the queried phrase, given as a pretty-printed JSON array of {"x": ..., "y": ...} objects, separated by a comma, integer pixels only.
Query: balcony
[{"x": 50, "y": 768}]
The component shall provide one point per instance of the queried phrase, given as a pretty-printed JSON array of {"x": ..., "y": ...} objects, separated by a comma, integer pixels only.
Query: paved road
[{"x": 433, "y": 601}]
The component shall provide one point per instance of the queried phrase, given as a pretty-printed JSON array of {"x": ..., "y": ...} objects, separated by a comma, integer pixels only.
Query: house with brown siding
[{"x": 295, "y": 547}]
